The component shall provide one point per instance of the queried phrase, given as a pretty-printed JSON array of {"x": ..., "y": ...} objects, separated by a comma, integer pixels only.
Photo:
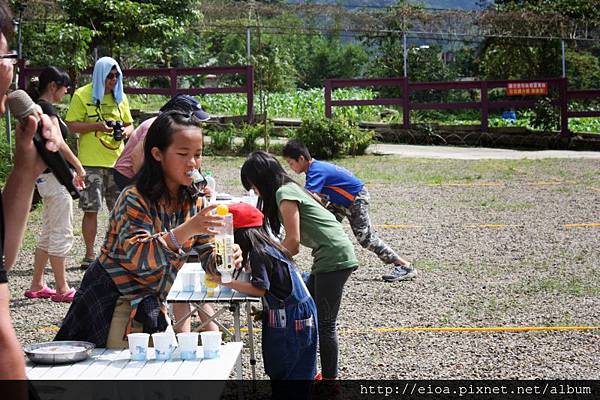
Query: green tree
[
  {"x": 330, "y": 58},
  {"x": 64, "y": 45},
  {"x": 579, "y": 9},
  {"x": 119, "y": 23},
  {"x": 583, "y": 70},
  {"x": 505, "y": 58}
]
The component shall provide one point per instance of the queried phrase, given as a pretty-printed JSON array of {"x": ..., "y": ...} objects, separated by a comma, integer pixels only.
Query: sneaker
[{"x": 401, "y": 273}]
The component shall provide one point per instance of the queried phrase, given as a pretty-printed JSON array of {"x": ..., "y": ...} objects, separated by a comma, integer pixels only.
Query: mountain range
[{"x": 444, "y": 4}]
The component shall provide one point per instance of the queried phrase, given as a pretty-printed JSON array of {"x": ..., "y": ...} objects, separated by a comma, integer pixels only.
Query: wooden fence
[
  {"x": 173, "y": 74},
  {"x": 484, "y": 104}
]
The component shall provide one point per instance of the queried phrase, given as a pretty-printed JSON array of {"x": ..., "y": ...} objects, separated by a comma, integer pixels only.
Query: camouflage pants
[
  {"x": 99, "y": 185},
  {"x": 360, "y": 222}
]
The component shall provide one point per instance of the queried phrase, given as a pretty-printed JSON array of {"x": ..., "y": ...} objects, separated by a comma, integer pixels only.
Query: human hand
[
  {"x": 208, "y": 192},
  {"x": 79, "y": 179},
  {"x": 204, "y": 222},
  {"x": 237, "y": 256},
  {"x": 103, "y": 127}
]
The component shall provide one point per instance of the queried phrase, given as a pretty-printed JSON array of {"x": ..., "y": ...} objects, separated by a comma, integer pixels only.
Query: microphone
[{"x": 21, "y": 105}]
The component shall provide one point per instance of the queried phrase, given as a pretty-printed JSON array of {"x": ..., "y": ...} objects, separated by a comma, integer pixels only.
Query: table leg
[
  {"x": 212, "y": 318},
  {"x": 251, "y": 336},
  {"x": 237, "y": 337},
  {"x": 188, "y": 315}
]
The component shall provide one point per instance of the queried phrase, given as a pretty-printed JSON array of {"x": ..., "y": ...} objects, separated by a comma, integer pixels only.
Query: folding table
[{"x": 231, "y": 301}]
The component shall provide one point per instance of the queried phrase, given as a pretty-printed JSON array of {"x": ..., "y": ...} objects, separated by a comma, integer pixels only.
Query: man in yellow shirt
[{"x": 93, "y": 113}]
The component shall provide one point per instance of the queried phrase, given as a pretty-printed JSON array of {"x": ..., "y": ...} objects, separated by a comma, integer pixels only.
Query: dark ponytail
[{"x": 38, "y": 85}]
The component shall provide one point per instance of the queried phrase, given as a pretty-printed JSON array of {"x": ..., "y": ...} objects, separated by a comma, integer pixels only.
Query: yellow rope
[
  {"x": 590, "y": 225},
  {"x": 477, "y": 329}
]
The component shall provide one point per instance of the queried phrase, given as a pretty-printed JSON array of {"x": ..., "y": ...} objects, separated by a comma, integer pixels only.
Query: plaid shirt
[{"x": 135, "y": 255}]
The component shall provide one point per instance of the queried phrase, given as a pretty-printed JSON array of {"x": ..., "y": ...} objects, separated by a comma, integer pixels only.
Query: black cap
[{"x": 183, "y": 102}]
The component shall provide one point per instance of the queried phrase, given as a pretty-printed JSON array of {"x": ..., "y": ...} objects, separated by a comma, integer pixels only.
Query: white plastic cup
[
  {"x": 211, "y": 344},
  {"x": 163, "y": 345},
  {"x": 189, "y": 280},
  {"x": 212, "y": 184},
  {"x": 188, "y": 345},
  {"x": 138, "y": 346}
]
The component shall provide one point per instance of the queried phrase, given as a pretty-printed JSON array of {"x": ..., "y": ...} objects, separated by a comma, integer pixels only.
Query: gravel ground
[{"x": 493, "y": 247}]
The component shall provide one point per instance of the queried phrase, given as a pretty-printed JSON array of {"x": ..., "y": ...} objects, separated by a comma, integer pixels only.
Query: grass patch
[{"x": 571, "y": 286}]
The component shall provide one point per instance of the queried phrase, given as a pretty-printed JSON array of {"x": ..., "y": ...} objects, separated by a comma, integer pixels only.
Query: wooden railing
[
  {"x": 484, "y": 104},
  {"x": 173, "y": 74}
]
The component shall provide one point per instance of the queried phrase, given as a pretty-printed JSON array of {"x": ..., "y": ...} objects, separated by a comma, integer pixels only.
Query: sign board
[{"x": 527, "y": 88}]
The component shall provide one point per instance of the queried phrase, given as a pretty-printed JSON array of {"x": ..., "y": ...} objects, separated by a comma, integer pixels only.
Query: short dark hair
[
  {"x": 296, "y": 148},
  {"x": 150, "y": 179},
  {"x": 6, "y": 20},
  {"x": 48, "y": 75}
]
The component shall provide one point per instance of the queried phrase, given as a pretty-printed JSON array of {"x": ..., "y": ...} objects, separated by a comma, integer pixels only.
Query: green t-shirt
[
  {"x": 98, "y": 149},
  {"x": 320, "y": 231}
]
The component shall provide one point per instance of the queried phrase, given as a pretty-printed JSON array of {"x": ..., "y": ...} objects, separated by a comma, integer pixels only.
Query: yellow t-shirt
[{"x": 98, "y": 149}]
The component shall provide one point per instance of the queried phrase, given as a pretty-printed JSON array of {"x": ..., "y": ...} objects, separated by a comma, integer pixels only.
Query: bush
[
  {"x": 331, "y": 138},
  {"x": 545, "y": 115},
  {"x": 250, "y": 133},
  {"x": 222, "y": 141}
]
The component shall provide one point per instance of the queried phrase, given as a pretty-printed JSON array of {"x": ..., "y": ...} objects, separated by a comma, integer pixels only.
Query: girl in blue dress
[{"x": 289, "y": 333}]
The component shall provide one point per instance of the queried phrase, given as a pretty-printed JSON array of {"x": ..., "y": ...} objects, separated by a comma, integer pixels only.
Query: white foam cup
[
  {"x": 211, "y": 343},
  {"x": 163, "y": 345},
  {"x": 138, "y": 346},
  {"x": 189, "y": 280},
  {"x": 188, "y": 345}
]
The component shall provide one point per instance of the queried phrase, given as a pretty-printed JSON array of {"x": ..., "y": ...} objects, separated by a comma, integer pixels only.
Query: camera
[{"x": 118, "y": 128}]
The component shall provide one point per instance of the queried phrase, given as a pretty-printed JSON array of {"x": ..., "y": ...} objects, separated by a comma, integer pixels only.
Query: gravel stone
[{"x": 492, "y": 248}]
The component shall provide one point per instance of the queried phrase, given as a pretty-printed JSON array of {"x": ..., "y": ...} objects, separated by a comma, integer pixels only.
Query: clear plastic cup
[
  {"x": 138, "y": 346},
  {"x": 189, "y": 280},
  {"x": 163, "y": 345},
  {"x": 188, "y": 345},
  {"x": 211, "y": 344}
]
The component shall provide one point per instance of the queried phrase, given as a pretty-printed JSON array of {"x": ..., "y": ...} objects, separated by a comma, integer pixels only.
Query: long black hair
[
  {"x": 264, "y": 172},
  {"x": 37, "y": 86},
  {"x": 255, "y": 240},
  {"x": 150, "y": 180}
]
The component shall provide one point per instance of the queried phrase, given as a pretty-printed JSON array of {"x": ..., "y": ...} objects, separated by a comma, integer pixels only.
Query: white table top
[
  {"x": 107, "y": 364},
  {"x": 200, "y": 295}
]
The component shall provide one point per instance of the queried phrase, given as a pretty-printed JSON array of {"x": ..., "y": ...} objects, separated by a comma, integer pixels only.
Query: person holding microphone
[{"x": 17, "y": 192}]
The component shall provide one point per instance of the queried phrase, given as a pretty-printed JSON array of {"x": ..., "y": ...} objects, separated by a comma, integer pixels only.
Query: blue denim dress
[{"x": 289, "y": 334}]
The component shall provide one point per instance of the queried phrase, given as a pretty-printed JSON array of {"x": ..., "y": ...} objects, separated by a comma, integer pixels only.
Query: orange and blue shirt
[
  {"x": 134, "y": 253},
  {"x": 336, "y": 184}
]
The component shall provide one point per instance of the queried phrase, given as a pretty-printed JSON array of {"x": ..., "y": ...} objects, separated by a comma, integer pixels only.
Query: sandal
[
  {"x": 85, "y": 263},
  {"x": 66, "y": 297},
  {"x": 43, "y": 293}
]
